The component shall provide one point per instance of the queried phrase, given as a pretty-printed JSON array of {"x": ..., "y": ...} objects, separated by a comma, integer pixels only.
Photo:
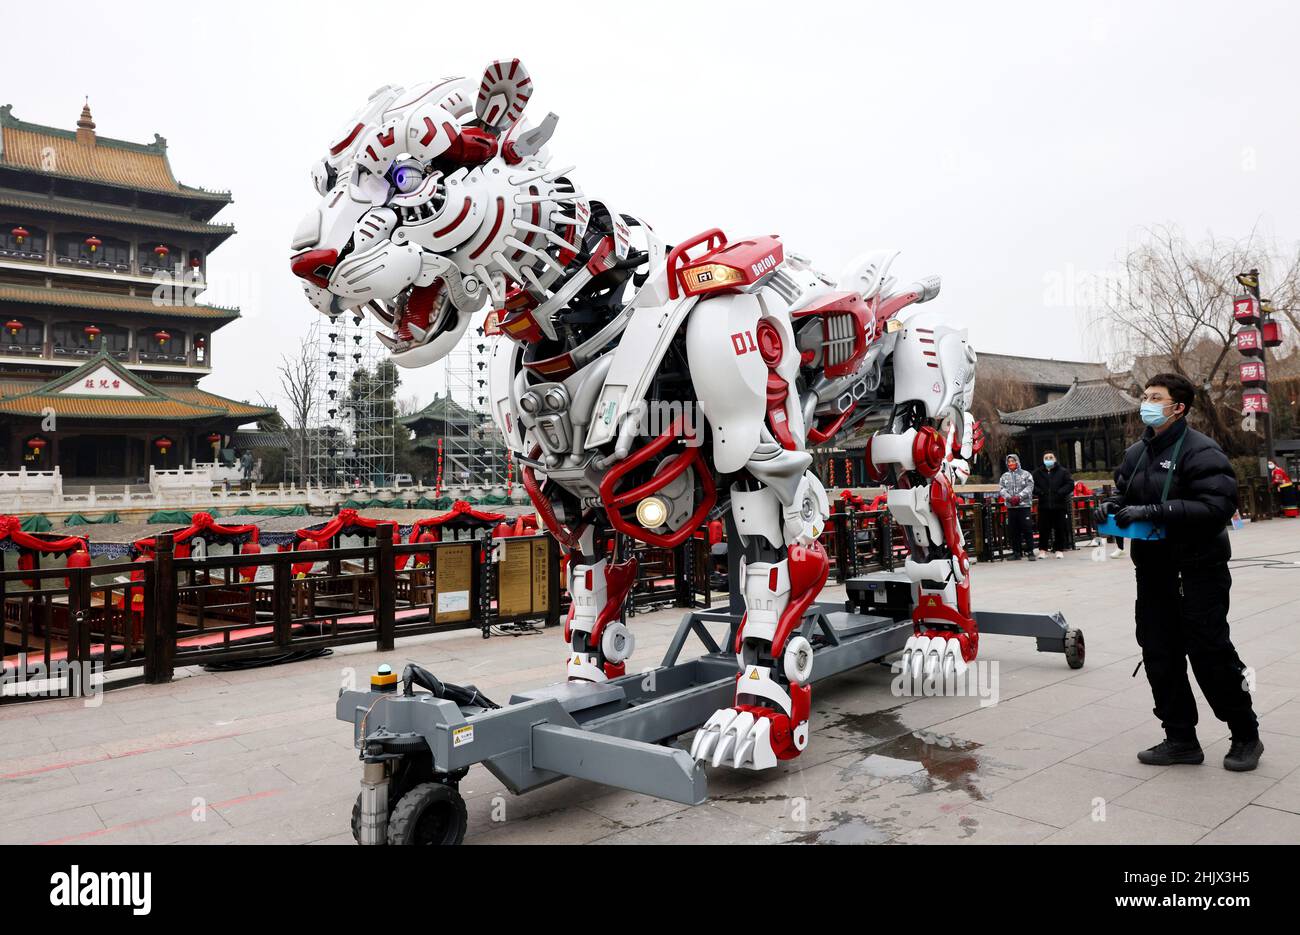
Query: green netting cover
[
  {"x": 298, "y": 510},
  {"x": 174, "y": 517},
  {"x": 36, "y": 523},
  {"x": 80, "y": 519}
]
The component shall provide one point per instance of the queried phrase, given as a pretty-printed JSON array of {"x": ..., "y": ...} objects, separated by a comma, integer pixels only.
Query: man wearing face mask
[
  {"x": 1054, "y": 488},
  {"x": 1181, "y": 481}
]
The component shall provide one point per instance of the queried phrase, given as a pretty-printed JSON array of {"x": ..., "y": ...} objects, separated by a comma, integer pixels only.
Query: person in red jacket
[{"x": 1286, "y": 489}]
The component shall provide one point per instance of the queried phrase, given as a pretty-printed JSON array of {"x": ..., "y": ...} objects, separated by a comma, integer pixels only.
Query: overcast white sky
[{"x": 1013, "y": 148}]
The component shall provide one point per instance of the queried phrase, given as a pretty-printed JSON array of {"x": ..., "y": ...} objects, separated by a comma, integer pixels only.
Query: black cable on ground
[{"x": 297, "y": 655}]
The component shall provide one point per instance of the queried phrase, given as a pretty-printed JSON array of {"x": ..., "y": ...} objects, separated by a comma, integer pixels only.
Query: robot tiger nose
[{"x": 315, "y": 266}]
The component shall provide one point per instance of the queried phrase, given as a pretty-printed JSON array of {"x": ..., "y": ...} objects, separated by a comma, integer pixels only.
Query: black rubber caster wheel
[
  {"x": 431, "y": 813},
  {"x": 1074, "y": 649}
]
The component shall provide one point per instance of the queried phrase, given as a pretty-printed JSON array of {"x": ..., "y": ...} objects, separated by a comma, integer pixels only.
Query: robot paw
[
  {"x": 749, "y": 738},
  {"x": 933, "y": 658}
]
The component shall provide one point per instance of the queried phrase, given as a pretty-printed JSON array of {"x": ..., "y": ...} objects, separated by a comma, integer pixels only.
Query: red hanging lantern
[
  {"x": 163, "y": 444},
  {"x": 214, "y": 439},
  {"x": 195, "y": 262},
  {"x": 36, "y": 444},
  {"x": 94, "y": 243},
  {"x": 1271, "y": 332},
  {"x": 14, "y": 326},
  {"x": 437, "y": 488},
  {"x": 161, "y": 251},
  {"x": 91, "y": 332},
  {"x": 20, "y": 234},
  {"x": 200, "y": 342},
  {"x": 162, "y": 337}
]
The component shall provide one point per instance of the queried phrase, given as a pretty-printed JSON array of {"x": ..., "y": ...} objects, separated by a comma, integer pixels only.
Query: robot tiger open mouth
[{"x": 440, "y": 201}]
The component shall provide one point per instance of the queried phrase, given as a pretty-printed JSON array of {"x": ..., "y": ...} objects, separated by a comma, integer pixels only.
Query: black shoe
[
  {"x": 1171, "y": 752},
  {"x": 1014, "y": 558},
  {"x": 1033, "y": 557},
  {"x": 1243, "y": 755}
]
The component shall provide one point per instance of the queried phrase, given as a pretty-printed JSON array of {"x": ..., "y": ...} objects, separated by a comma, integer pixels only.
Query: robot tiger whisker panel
[{"x": 645, "y": 387}]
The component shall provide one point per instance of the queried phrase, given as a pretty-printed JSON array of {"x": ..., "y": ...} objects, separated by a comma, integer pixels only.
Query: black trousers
[
  {"x": 1182, "y": 616},
  {"x": 1020, "y": 529},
  {"x": 1055, "y": 532}
]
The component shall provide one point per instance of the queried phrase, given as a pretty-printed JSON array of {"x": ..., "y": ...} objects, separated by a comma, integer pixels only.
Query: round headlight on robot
[{"x": 652, "y": 512}]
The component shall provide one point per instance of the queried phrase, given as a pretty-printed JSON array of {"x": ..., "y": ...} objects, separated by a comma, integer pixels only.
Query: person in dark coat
[
  {"x": 1180, "y": 480},
  {"x": 1054, "y": 488}
]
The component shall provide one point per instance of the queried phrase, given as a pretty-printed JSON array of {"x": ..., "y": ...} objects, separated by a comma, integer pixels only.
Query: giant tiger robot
[{"x": 644, "y": 387}]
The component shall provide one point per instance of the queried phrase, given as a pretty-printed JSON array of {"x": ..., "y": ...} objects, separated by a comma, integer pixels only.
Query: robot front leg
[
  {"x": 769, "y": 720},
  {"x": 599, "y": 642}
]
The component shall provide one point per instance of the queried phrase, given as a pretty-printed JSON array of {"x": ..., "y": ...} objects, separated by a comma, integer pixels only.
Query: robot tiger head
[{"x": 430, "y": 198}]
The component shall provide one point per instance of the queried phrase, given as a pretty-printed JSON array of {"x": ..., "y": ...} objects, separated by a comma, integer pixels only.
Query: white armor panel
[
  {"x": 933, "y": 363},
  {"x": 654, "y": 321},
  {"x": 501, "y": 377},
  {"x": 729, "y": 375}
]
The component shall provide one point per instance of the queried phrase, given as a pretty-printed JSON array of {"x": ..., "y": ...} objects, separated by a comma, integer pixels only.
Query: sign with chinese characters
[
  {"x": 1249, "y": 342},
  {"x": 1252, "y": 373},
  {"x": 1255, "y": 401},
  {"x": 1245, "y": 308},
  {"x": 102, "y": 381}
]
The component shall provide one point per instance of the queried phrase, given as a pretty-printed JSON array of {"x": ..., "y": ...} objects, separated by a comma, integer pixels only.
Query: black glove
[
  {"x": 1136, "y": 514},
  {"x": 1101, "y": 511}
]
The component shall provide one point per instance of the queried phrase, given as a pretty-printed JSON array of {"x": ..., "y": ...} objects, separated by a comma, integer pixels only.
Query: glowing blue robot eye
[{"x": 406, "y": 176}]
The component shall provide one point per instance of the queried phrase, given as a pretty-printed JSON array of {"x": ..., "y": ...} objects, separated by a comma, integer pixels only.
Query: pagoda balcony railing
[
  {"x": 18, "y": 253},
  {"x": 20, "y": 349}
]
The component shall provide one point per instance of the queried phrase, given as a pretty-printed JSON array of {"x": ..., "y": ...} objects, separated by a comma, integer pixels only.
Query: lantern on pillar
[
  {"x": 195, "y": 262},
  {"x": 1252, "y": 373},
  {"x": 91, "y": 332},
  {"x": 93, "y": 243},
  {"x": 1245, "y": 308},
  {"x": 1271, "y": 332},
  {"x": 1254, "y": 401},
  {"x": 1249, "y": 342},
  {"x": 214, "y": 440},
  {"x": 437, "y": 487},
  {"x": 20, "y": 234}
]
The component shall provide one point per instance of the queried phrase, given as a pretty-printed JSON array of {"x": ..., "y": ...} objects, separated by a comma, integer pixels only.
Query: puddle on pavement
[
  {"x": 847, "y": 829},
  {"x": 928, "y": 761}
]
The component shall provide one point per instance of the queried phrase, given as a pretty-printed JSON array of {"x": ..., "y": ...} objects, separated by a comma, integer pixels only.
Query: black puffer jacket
[
  {"x": 1054, "y": 489},
  {"x": 1202, "y": 496}
]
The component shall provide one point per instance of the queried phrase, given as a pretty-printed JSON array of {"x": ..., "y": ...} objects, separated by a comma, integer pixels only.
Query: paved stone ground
[{"x": 256, "y": 756}]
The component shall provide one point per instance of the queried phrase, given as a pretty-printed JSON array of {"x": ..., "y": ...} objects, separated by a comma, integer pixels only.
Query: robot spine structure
[{"x": 644, "y": 388}]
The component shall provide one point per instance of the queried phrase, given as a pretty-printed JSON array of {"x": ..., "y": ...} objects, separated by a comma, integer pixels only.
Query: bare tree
[
  {"x": 1171, "y": 311},
  {"x": 299, "y": 382},
  {"x": 996, "y": 393}
]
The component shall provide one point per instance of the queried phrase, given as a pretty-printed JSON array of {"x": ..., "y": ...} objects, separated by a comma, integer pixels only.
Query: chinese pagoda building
[{"x": 102, "y": 256}]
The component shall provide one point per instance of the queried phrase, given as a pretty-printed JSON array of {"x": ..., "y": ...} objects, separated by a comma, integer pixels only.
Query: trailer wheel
[
  {"x": 431, "y": 813},
  {"x": 1074, "y": 648}
]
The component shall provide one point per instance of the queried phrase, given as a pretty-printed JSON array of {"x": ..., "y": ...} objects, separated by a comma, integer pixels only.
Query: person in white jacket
[{"x": 1016, "y": 488}]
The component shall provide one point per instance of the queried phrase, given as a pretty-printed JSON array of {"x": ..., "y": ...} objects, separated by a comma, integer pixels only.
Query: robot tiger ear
[{"x": 503, "y": 93}]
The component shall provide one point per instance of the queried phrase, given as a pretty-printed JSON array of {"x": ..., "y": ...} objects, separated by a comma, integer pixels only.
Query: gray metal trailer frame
[{"x": 620, "y": 732}]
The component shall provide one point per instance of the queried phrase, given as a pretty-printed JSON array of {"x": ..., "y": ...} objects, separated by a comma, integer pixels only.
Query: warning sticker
[{"x": 462, "y": 735}]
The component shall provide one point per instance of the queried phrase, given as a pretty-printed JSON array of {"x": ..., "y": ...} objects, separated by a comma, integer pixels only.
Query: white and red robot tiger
[{"x": 645, "y": 388}]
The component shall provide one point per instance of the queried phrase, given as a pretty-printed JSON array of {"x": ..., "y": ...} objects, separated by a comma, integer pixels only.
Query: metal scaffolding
[
  {"x": 471, "y": 449},
  {"x": 351, "y": 443}
]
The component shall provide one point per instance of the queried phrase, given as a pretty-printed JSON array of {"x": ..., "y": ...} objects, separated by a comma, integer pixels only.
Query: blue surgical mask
[
  {"x": 1153, "y": 414},
  {"x": 1049, "y": 462}
]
